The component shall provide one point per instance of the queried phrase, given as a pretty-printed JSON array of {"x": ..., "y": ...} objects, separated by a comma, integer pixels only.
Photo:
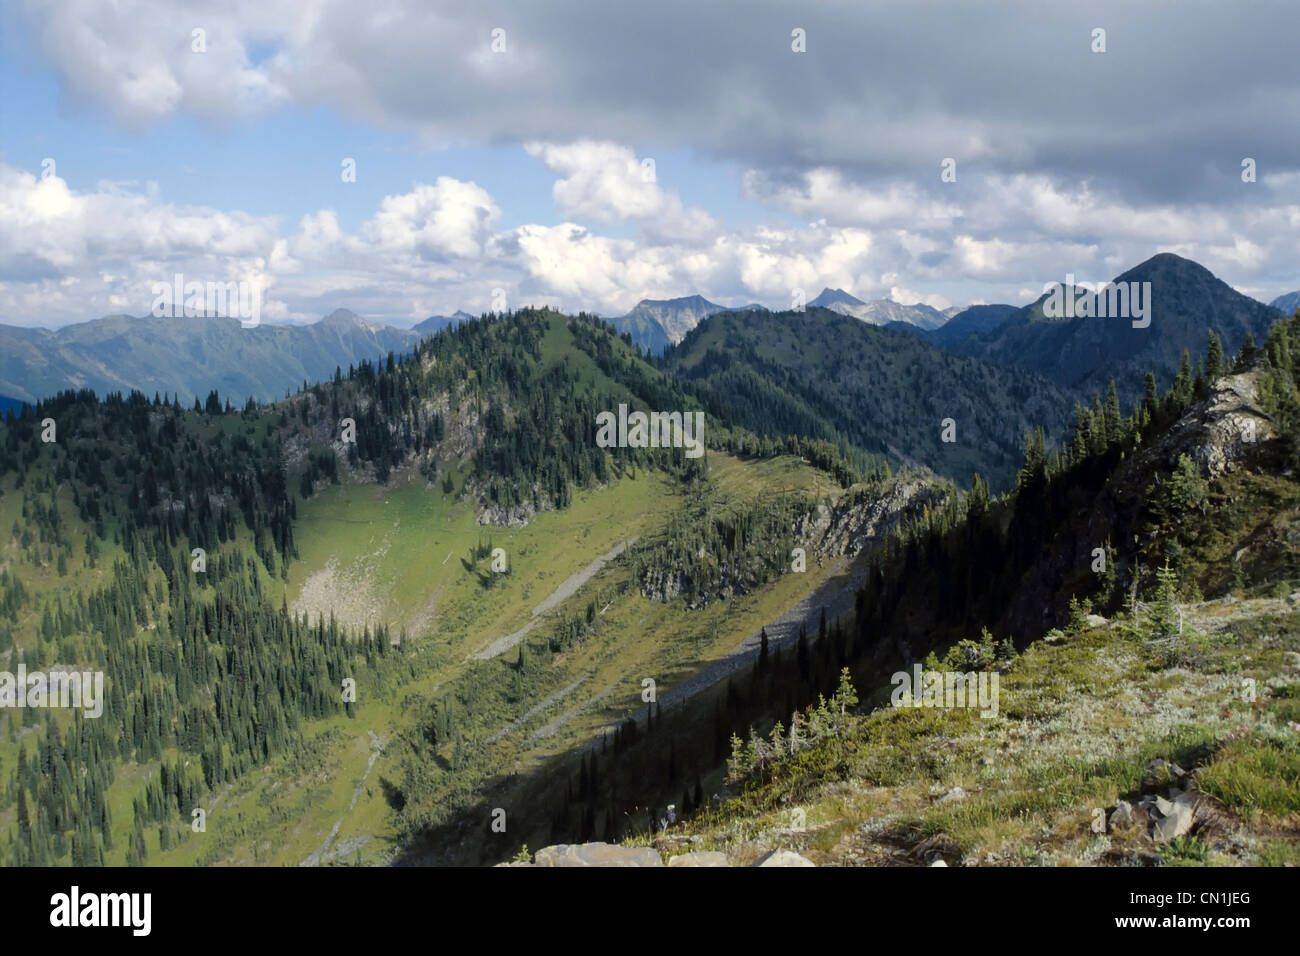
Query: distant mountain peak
[
  {"x": 1166, "y": 263},
  {"x": 829, "y": 297},
  {"x": 435, "y": 322},
  {"x": 1287, "y": 303},
  {"x": 652, "y": 321},
  {"x": 1086, "y": 353},
  {"x": 345, "y": 317},
  {"x": 696, "y": 301},
  {"x": 880, "y": 311}
]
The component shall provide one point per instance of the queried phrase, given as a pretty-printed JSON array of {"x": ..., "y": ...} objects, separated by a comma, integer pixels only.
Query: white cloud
[
  {"x": 448, "y": 219},
  {"x": 905, "y": 296},
  {"x": 69, "y": 255},
  {"x": 605, "y": 183},
  {"x": 826, "y": 194},
  {"x": 139, "y": 57},
  {"x": 601, "y": 182},
  {"x": 114, "y": 242}
]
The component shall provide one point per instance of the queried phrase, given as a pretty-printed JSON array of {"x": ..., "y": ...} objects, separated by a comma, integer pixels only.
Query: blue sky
[
  {"x": 522, "y": 170},
  {"x": 287, "y": 164}
]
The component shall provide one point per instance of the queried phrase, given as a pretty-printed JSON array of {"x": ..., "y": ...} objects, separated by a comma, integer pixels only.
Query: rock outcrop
[
  {"x": 1220, "y": 432},
  {"x": 608, "y": 854},
  {"x": 594, "y": 854},
  {"x": 866, "y": 515}
]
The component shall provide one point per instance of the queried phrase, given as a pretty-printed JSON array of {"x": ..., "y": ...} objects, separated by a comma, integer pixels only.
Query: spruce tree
[
  {"x": 1214, "y": 358},
  {"x": 1114, "y": 418},
  {"x": 1246, "y": 357}
]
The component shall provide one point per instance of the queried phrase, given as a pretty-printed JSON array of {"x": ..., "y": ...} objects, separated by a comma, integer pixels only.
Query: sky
[{"x": 590, "y": 155}]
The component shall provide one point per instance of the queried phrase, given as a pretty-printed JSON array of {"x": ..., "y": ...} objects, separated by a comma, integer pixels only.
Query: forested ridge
[
  {"x": 883, "y": 392},
  {"x": 169, "y": 525},
  {"x": 955, "y": 581}
]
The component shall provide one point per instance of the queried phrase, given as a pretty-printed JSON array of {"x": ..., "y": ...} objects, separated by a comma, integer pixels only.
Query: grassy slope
[
  {"x": 1081, "y": 718},
  {"x": 1080, "y": 721},
  {"x": 279, "y": 817},
  {"x": 396, "y": 554}
]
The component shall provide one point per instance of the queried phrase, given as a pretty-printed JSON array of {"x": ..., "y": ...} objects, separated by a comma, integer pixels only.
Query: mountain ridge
[
  {"x": 188, "y": 355},
  {"x": 1083, "y": 354},
  {"x": 1287, "y": 303},
  {"x": 824, "y": 374}
]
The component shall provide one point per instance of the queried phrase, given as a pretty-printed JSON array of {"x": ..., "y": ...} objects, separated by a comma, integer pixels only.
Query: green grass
[
  {"x": 1185, "y": 851},
  {"x": 396, "y": 540},
  {"x": 1080, "y": 724},
  {"x": 398, "y": 554},
  {"x": 1255, "y": 775}
]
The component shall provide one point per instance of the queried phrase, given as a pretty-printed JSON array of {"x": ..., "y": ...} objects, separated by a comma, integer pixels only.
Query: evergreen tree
[
  {"x": 1150, "y": 396},
  {"x": 1246, "y": 357},
  {"x": 1214, "y": 365},
  {"x": 1165, "y": 616},
  {"x": 1114, "y": 418},
  {"x": 846, "y": 697}
]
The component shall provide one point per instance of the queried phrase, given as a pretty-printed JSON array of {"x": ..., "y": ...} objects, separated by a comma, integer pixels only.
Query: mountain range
[
  {"x": 825, "y": 374},
  {"x": 191, "y": 356},
  {"x": 188, "y": 356},
  {"x": 1085, "y": 354},
  {"x": 654, "y": 324},
  {"x": 880, "y": 311}
]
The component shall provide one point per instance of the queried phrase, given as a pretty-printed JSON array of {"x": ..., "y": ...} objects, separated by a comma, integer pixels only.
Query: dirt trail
[
  {"x": 836, "y": 595},
  {"x": 566, "y": 589},
  {"x": 376, "y": 748},
  {"x": 564, "y": 692},
  {"x": 564, "y": 718}
]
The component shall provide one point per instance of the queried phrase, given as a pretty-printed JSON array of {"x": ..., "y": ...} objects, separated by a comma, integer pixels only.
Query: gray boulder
[
  {"x": 784, "y": 858},
  {"x": 700, "y": 858},
  {"x": 596, "y": 854}
]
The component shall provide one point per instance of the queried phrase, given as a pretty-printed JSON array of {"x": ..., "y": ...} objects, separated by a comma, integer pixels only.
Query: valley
[{"x": 556, "y": 646}]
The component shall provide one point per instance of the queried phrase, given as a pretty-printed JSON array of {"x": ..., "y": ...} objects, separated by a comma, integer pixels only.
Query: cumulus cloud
[
  {"x": 823, "y": 193},
  {"x": 603, "y": 182},
  {"x": 448, "y": 219},
  {"x": 68, "y": 255}
]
